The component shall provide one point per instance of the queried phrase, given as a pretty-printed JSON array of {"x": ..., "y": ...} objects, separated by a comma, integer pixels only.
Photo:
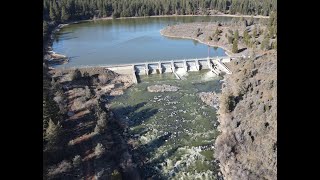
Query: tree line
[{"x": 65, "y": 10}]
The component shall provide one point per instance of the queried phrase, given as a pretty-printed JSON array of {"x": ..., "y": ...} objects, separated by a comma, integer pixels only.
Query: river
[{"x": 174, "y": 131}]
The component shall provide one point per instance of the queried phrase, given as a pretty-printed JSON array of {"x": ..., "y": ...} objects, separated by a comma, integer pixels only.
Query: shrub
[
  {"x": 235, "y": 46},
  {"x": 97, "y": 129},
  {"x": 52, "y": 134},
  {"x": 101, "y": 123},
  {"x": 116, "y": 175},
  {"x": 230, "y": 39},
  {"x": 226, "y": 103},
  {"x": 76, "y": 161},
  {"x": 99, "y": 150},
  {"x": 216, "y": 38},
  {"x": 78, "y": 104},
  {"x": 86, "y": 75},
  {"x": 265, "y": 43},
  {"x": 115, "y": 15},
  {"x": 76, "y": 75},
  {"x": 87, "y": 92},
  {"x": 103, "y": 79},
  {"x": 63, "y": 167}
]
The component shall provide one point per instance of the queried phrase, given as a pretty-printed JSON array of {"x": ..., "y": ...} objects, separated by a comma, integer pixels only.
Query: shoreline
[
  {"x": 189, "y": 15},
  {"x": 49, "y": 51},
  {"x": 227, "y": 52}
]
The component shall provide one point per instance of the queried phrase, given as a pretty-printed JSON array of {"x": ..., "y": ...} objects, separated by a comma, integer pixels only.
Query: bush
[
  {"x": 63, "y": 167},
  {"x": 86, "y": 75},
  {"x": 230, "y": 39},
  {"x": 216, "y": 38},
  {"x": 226, "y": 103},
  {"x": 103, "y": 79},
  {"x": 116, "y": 175},
  {"x": 235, "y": 46},
  {"x": 52, "y": 135},
  {"x": 265, "y": 43},
  {"x": 115, "y": 15},
  {"x": 76, "y": 161},
  {"x": 99, "y": 150},
  {"x": 87, "y": 92},
  {"x": 76, "y": 75},
  {"x": 97, "y": 129},
  {"x": 101, "y": 123}
]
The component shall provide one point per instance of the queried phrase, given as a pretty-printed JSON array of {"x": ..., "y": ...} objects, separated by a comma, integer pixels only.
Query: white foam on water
[
  {"x": 209, "y": 76},
  {"x": 181, "y": 72}
]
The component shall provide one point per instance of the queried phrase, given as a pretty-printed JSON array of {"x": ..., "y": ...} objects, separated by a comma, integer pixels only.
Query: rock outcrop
[{"x": 209, "y": 98}]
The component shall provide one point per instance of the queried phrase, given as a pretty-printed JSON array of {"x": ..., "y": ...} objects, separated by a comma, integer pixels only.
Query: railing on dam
[{"x": 216, "y": 65}]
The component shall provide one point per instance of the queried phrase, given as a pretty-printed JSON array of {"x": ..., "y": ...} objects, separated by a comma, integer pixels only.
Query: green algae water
[{"x": 175, "y": 131}]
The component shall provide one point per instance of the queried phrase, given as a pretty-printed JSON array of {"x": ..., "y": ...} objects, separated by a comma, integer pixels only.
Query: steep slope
[{"x": 247, "y": 145}]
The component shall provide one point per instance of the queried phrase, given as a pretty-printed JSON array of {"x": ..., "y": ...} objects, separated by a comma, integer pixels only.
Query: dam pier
[{"x": 214, "y": 64}]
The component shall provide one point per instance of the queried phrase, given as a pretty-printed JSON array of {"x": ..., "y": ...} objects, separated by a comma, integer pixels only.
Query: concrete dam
[{"x": 216, "y": 65}]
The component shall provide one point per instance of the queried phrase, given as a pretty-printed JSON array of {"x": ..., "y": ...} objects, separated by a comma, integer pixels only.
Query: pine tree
[
  {"x": 254, "y": 33},
  {"x": 246, "y": 37},
  {"x": 235, "y": 46},
  {"x": 265, "y": 42},
  {"x": 52, "y": 135},
  {"x": 52, "y": 14},
  {"x": 45, "y": 28},
  {"x": 64, "y": 14},
  {"x": 217, "y": 32},
  {"x": 56, "y": 11},
  {"x": 236, "y": 35}
]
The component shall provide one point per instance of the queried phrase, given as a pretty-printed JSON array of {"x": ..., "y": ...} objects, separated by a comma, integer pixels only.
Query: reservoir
[{"x": 123, "y": 41}]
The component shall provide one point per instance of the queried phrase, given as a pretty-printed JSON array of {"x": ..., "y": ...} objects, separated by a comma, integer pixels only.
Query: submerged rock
[
  {"x": 162, "y": 88},
  {"x": 209, "y": 98}
]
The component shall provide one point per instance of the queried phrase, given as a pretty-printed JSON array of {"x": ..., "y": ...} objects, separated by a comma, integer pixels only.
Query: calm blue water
[{"x": 127, "y": 41}]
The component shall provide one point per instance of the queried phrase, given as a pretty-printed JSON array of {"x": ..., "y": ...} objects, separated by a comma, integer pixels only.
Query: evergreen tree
[
  {"x": 45, "y": 28},
  {"x": 254, "y": 33},
  {"x": 79, "y": 9},
  {"x": 235, "y": 46},
  {"x": 236, "y": 35},
  {"x": 56, "y": 11},
  {"x": 64, "y": 14},
  {"x": 52, "y": 13},
  {"x": 265, "y": 42},
  {"x": 52, "y": 135},
  {"x": 246, "y": 38}
]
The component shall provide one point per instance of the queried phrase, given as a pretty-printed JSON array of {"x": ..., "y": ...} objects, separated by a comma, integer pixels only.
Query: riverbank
[
  {"x": 90, "y": 130},
  {"x": 204, "y": 32},
  {"x": 247, "y": 103}
]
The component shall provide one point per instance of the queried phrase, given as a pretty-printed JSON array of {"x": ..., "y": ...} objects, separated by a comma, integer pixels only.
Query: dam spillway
[{"x": 216, "y": 65}]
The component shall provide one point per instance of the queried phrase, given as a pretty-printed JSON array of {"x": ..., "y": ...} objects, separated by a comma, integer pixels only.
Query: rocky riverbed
[
  {"x": 162, "y": 88},
  {"x": 172, "y": 132},
  {"x": 210, "y": 98}
]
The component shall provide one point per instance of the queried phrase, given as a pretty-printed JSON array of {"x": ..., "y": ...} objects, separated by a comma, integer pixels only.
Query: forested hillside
[{"x": 64, "y": 10}]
